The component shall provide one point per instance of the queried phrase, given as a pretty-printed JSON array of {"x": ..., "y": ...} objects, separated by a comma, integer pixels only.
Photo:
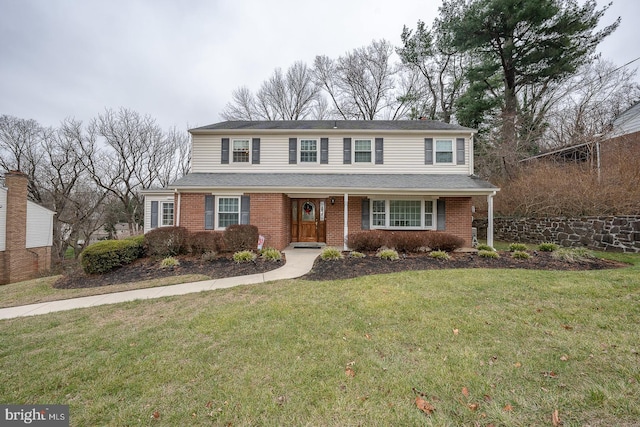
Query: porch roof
[{"x": 339, "y": 183}]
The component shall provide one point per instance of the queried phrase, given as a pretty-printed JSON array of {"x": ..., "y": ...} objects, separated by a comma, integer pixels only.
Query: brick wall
[
  {"x": 18, "y": 263},
  {"x": 458, "y": 217},
  {"x": 335, "y": 219},
  {"x": 271, "y": 213},
  {"x": 191, "y": 211}
]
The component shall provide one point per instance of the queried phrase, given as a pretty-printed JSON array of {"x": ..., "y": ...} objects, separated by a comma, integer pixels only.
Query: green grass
[
  {"x": 42, "y": 290},
  {"x": 277, "y": 353}
]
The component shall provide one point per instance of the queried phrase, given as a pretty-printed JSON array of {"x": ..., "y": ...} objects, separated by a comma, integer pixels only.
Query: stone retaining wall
[{"x": 603, "y": 233}]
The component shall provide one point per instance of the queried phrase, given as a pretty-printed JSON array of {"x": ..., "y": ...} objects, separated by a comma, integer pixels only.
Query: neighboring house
[
  {"x": 26, "y": 232},
  {"x": 315, "y": 182}
]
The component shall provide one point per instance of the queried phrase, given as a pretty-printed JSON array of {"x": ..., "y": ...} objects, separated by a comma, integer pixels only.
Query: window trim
[
  {"x": 436, "y": 151},
  {"x": 387, "y": 212},
  {"x": 218, "y": 211},
  {"x": 317, "y": 151},
  {"x": 161, "y": 219},
  {"x": 371, "y": 150},
  {"x": 233, "y": 150}
]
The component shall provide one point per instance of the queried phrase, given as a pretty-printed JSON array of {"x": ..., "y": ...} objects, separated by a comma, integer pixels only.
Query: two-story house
[{"x": 310, "y": 182}]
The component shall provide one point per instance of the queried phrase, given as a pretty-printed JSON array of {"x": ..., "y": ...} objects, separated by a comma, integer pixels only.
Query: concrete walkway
[{"x": 298, "y": 263}]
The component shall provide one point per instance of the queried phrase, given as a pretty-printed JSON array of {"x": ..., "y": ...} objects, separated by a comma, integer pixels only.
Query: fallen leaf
[
  {"x": 350, "y": 372},
  {"x": 564, "y": 357},
  {"x": 465, "y": 392},
  {"x": 455, "y": 332},
  {"x": 508, "y": 408},
  {"x": 517, "y": 364},
  {"x": 550, "y": 374},
  {"x": 209, "y": 405},
  {"x": 424, "y": 406},
  {"x": 155, "y": 415},
  {"x": 367, "y": 336},
  {"x": 473, "y": 406},
  {"x": 487, "y": 398},
  {"x": 555, "y": 419},
  {"x": 567, "y": 327}
]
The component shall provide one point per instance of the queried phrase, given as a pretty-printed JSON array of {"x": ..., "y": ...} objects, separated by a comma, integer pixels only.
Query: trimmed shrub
[
  {"x": 441, "y": 241},
  {"x": 440, "y": 255},
  {"x": 513, "y": 247},
  {"x": 241, "y": 237},
  {"x": 271, "y": 254},
  {"x": 367, "y": 241},
  {"x": 547, "y": 247},
  {"x": 356, "y": 254},
  {"x": 107, "y": 255},
  {"x": 488, "y": 254},
  {"x": 206, "y": 241},
  {"x": 520, "y": 255},
  {"x": 389, "y": 254},
  {"x": 485, "y": 247},
  {"x": 166, "y": 241},
  {"x": 244, "y": 256},
  {"x": 408, "y": 241},
  {"x": 169, "y": 262}
]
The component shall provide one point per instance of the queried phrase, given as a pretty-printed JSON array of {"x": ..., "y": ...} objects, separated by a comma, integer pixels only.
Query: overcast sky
[{"x": 179, "y": 61}]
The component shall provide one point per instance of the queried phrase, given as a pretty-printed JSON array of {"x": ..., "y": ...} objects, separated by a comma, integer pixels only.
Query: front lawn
[{"x": 483, "y": 347}]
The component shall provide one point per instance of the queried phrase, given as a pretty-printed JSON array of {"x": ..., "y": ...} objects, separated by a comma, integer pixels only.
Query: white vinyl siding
[
  {"x": 39, "y": 226},
  {"x": 403, "y": 153},
  {"x": 3, "y": 219},
  {"x": 414, "y": 214},
  {"x": 160, "y": 199}
]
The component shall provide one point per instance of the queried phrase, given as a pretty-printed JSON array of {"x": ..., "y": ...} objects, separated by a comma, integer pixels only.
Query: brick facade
[
  {"x": 17, "y": 263},
  {"x": 271, "y": 213}
]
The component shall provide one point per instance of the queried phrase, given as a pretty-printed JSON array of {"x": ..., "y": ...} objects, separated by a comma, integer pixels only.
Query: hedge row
[
  {"x": 164, "y": 242},
  {"x": 403, "y": 241}
]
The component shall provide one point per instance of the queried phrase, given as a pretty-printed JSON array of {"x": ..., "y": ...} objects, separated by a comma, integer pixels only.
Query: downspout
[
  {"x": 490, "y": 219},
  {"x": 178, "y": 208},
  {"x": 346, "y": 220}
]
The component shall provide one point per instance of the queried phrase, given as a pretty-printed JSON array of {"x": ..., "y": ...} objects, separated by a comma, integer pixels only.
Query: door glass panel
[{"x": 308, "y": 211}]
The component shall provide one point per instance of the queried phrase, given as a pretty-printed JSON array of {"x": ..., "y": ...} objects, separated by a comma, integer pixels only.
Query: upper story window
[
  {"x": 240, "y": 151},
  {"x": 444, "y": 151},
  {"x": 167, "y": 214},
  {"x": 308, "y": 151},
  {"x": 362, "y": 151}
]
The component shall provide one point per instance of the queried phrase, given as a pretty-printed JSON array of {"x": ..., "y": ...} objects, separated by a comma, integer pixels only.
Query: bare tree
[
  {"x": 284, "y": 96},
  {"x": 360, "y": 84}
]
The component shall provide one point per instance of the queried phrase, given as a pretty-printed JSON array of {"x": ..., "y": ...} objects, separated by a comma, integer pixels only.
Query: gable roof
[
  {"x": 387, "y": 125},
  {"x": 627, "y": 122}
]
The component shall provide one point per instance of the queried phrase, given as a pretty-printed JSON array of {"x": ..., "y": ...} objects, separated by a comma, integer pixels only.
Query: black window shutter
[
  {"x": 365, "y": 214},
  {"x": 460, "y": 151},
  {"x": 255, "y": 151},
  {"x": 346, "y": 151},
  {"x": 324, "y": 151},
  {"x": 209, "y": 208},
  {"x": 442, "y": 215},
  {"x": 225, "y": 151},
  {"x": 428, "y": 151},
  {"x": 293, "y": 151},
  {"x": 244, "y": 210},
  {"x": 379, "y": 151},
  {"x": 154, "y": 214}
]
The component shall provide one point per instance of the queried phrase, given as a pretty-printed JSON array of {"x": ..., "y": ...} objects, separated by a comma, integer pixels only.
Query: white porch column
[
  {"x": 346, "y": 220},
  {"x": 490, "y": 219},
  {"x": 177, "y": 210}
]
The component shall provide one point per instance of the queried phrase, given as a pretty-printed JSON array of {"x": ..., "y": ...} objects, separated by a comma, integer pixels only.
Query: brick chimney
[{"x": 18, "y": 261}]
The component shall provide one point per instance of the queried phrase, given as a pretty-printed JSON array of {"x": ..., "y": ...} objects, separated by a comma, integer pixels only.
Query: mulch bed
[
  {"x": 147, "y": 269},
  {"x": 348, "y": 267}
]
